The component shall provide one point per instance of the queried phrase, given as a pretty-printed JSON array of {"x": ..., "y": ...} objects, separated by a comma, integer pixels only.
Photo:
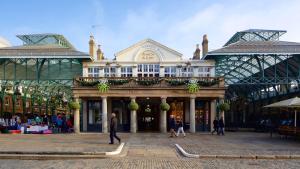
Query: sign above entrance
[{"x": 148, "y": 56}]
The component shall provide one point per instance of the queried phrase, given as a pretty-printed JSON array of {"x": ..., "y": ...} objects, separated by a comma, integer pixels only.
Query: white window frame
[
  {"x": 93, "y": 72},
  {"x": 148, "y": 70},
  {"x": 126, "y": 71},
  {"x": 110, "y": 72},
  {"x": 170, "y": 71}
]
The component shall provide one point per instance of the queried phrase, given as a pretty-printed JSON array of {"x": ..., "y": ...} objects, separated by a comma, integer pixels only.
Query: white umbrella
[{"x": 289, "y": 103}]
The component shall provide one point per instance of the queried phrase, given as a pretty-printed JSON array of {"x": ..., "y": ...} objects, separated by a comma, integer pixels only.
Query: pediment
[{"x": 148, "y": 50}]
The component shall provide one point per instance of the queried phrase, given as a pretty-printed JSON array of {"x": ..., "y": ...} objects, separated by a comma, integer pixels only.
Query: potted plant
[
  {"x": 133, "y": 106},
  {"x": 164, "y": 106}
]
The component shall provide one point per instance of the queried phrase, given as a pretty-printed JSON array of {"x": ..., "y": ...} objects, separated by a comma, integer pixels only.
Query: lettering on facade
[{"x": 148, "y": 56}]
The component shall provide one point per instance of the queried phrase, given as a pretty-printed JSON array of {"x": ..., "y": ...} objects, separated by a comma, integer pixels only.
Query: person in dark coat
[
  {"x": 172, "y": 124},
  {"x": 215, "y": 123},
  {"x": 113, "y": 129},
  {"x": 221, "y": 126}
]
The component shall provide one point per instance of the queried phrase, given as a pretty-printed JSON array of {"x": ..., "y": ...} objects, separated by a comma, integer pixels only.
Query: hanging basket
[
  {"x": 133, "y": 106},
  {"x": 164, "y": 106}
]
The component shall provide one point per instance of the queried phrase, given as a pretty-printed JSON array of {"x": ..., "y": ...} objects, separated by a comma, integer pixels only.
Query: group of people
[
  {"x": 63, "y": 123},
  {"x": 218, "y": 126}
]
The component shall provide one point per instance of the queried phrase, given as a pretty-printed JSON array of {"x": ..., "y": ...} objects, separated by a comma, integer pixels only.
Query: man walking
[
  {"x": 113, "y": 129},
  {"x": 215, "y": 123},
  {"x": 172, "y": 124},
  {"x": 221, "y": 126}
]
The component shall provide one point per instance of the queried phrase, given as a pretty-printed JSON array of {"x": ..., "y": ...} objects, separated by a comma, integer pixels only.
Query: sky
[{"x": 118, "y": 24}]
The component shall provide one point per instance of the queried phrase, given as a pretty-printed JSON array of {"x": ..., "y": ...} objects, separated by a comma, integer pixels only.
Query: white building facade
[{"x": 149, "y": 74}]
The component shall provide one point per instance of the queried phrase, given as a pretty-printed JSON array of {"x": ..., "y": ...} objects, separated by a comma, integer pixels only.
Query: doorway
[
  {"x": 148, "y": 114},
  {"x": 94, "y": 116}
]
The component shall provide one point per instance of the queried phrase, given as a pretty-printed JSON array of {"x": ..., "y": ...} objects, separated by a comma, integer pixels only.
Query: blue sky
[{"x": 179, "y": 24}]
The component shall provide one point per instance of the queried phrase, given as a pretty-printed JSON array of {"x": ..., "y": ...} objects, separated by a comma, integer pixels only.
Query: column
[
  {"x": 212, "y": 113},
  {"x": 76, "y": 118},
  {"x": 192, "y": 114},
  {"x": 162, "y": 71},
  {"x": 84, "y": 115},
  {"x": 118, "y": 71},
  {"x": 163, "y": 117},
  {"x": 222, "y": 114},
  {"x": 104, "y": 114},
  {"x": 133, "y": 119}
]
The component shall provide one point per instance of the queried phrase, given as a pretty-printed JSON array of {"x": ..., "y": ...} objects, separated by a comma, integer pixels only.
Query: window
[
  {"x": 170, "y": 71},
  {"x": 204, "y": 71},
  {"x": 148, "y": 70},
  {"x": 93, "y": 72},
  {"x": 187, "y": 72},
  {"x": 110, "y": 72},
  {"x": 126, "y": 72}
]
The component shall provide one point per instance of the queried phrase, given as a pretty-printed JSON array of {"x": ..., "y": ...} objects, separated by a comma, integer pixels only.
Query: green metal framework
[
  {"x": 253, "y": 73},
  {"x": 258, "y": 69},
  {"x": 41, "y": 73},
  {"x": 45, "y": 39},
  {"x": 256, "y": 35}
]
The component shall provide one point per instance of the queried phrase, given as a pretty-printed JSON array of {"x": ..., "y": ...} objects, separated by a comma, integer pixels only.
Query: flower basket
[
  {"x": 193, "y": 87},
  {"x": 103, "y": 87}
]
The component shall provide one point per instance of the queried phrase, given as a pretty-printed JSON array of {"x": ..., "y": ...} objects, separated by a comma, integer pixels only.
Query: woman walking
[{"x": 180, "y": 128}]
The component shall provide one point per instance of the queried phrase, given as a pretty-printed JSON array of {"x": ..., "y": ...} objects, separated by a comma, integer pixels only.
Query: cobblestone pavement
[
  {"x": 156, "y": 150},
  {"x": 152, "y": 163},
  {"x": 239, "y": 143},
  {"x": 56, "y": 143}
]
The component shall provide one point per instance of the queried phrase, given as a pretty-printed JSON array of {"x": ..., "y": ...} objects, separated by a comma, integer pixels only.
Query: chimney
[
  {"x": 92, "y": 46},
  {"x": 99, "y": 54},
  {"x": 197, "y": 53},
  {"x": 204, "y": 45}
]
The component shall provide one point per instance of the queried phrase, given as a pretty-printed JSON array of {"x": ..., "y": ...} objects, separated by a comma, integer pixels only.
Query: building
[
  {"x": 259, "y": 69},
  {"x": 36, "y": 77},
  {"x": 147, "y": 73}
]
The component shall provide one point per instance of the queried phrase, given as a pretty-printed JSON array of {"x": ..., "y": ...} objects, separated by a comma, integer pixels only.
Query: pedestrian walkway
[
  {"x": 154, "y": 144},
  {"x": 67, "y": 143}
]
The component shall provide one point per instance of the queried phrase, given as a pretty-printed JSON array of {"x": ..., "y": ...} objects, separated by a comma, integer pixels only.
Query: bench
[{"x": 289, "y": 131}]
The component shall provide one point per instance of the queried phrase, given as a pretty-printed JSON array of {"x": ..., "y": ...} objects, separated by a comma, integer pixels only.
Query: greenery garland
[
  {"x": 148, "y": 82},
  {"x": 177, "y": 82},
  {"x": 118, "y": 81},
  {"x": 207, "y": 83},
  {"x": 87, "y": 83}
]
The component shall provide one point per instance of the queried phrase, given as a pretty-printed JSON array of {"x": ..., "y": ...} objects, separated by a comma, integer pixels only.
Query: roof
[
  {"x": 257, "y": 47},
  {"x": 151, "y": 41},
  {"x": 41, "y": 51},
  {"x": 44, "y": 39},
  {"x": 256, "y": 35}
]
